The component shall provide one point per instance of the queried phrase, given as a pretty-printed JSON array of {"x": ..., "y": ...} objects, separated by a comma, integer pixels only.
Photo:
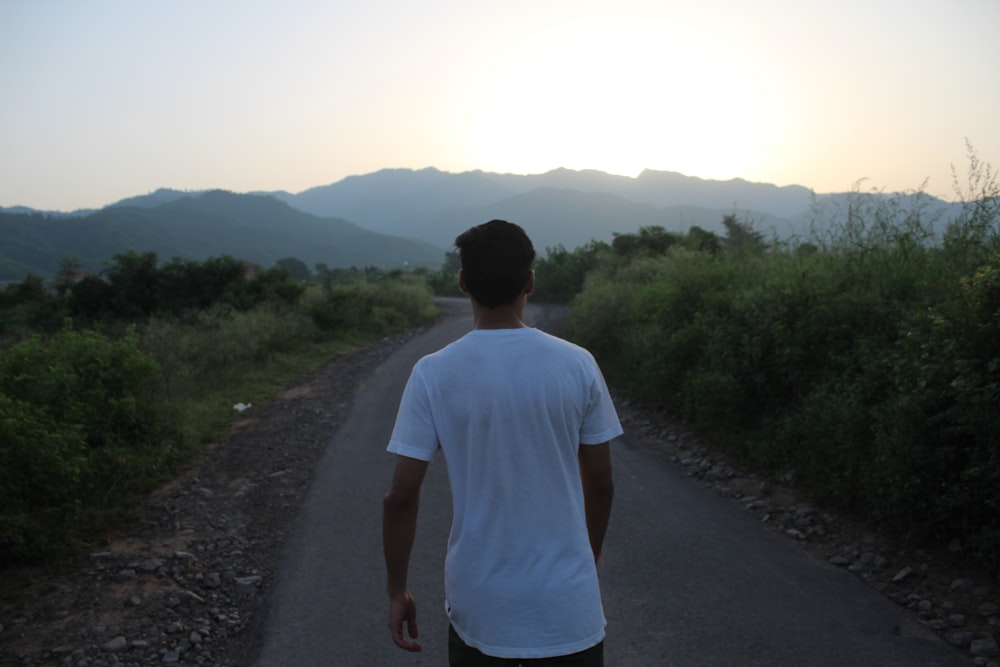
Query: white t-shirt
[{"x": 510, "y": 409}]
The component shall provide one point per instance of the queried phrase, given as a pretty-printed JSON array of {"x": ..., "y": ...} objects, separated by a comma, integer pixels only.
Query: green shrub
[
  {"x": 26, "y": 307},
  {"x": 80, "y": 435},
  {"x": 221, "y": 344},
  {"x": 372, "y": 308},
  {"x": 90, "y": 422},
  {"x": 560, "y": 274},
  {"x": 42, "y": 465},
  {"x": 274, "y": 284},
  {"x": 83, "y": 378},
  {"x": 867, "y": 366},
  {"x": 223, "y": 356}
]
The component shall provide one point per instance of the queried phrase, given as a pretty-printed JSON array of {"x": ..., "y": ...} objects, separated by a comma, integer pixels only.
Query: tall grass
[{"x": 223, "y": 356}]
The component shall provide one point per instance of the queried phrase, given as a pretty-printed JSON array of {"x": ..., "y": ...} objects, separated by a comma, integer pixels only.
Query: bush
[
  {"x": 274, "y": 284},
  {"x": 372, "y": 308},
  {"x": 560, "y": 274},
  {"x": 135, "y": 287},
  {"x": 42, "y": 465},
  {"x": 80, "y": 435},
  {"x": 27, "y": 307},
  {"x": 221, "y": 344},
  {"x": 868, "y": 365},
  {"x": 90, "y": 423},
  {"x": 85, "y": 379}
]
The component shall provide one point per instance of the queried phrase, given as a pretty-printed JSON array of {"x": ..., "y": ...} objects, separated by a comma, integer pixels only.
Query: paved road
[{"x": 688, "y": 578}]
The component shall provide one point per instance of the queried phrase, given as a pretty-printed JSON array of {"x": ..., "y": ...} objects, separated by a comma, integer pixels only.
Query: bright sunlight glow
[{"x": 564, "y": 87}]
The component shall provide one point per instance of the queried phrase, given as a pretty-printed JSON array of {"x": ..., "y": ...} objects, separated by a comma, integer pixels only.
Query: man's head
[{"x": 496, "y": 262}]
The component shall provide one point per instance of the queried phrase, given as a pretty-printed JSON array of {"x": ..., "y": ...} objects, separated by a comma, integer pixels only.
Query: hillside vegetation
[
  {"x": 403, "y": 217},
  {"x": 110, "y": 385},
  {"x": 198, "y": 226},
  {"x": 864, "y": 362}
]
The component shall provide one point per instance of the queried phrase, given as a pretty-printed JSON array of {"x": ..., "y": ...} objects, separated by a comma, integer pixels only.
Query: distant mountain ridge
[
  {"x": 426, "y": 207},
  {"x": 156, "y": 198},
  {"x": 256, "y": 228},
  {"x": 434, "y": 206}
]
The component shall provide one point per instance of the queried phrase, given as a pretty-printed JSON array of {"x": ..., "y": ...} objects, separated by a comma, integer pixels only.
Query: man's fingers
[
  {"x": 413, "y": 647},
  {"x": 404, "y": 612},
  {"x": 411, "y": 623},
  {"x": 403, "y": 643}
]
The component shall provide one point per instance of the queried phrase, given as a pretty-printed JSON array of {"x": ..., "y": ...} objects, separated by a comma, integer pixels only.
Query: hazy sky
[{"x": 106, "y": 99}]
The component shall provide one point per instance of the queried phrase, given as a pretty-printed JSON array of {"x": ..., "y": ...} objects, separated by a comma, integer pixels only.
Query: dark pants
[{"x": 462, "y": 655}]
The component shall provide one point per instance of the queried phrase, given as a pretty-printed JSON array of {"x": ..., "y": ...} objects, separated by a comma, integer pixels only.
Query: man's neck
[{"x": 501, "y": 317}]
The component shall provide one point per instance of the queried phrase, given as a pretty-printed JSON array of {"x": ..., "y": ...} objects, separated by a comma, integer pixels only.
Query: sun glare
[{"x": 593, "y": 96}]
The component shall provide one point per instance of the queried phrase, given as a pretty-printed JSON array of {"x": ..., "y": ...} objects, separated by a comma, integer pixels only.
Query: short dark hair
[{"x": 496, "y": 262}]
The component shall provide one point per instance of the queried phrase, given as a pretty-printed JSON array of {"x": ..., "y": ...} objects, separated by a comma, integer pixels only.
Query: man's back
[
  {"x": 524, "y": 421},
  {"x": 510, "y": 409}
]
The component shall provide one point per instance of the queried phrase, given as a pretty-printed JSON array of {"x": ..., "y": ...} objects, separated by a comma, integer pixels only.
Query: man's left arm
[
  {"x": 399, "y": 527},
  {"x": 598, "y": 491}
]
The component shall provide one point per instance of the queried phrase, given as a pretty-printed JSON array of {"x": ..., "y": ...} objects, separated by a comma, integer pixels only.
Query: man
[{"x": 524, "y": 421}]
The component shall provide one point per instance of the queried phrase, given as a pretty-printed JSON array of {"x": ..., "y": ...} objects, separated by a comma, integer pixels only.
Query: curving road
[{"x": 688, "y": 578}]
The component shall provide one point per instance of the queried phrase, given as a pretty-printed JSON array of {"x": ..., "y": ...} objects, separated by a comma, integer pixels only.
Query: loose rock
[
  {"x": 984, "y": 648},
  {"x": 960, "y": 638},
  {"x": 115, "y": 645}
]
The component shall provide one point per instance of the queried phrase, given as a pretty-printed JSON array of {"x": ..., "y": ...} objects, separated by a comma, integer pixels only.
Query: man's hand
[
  {"x": 399, "y": 526},
  {"x": 403, "y": 610}
]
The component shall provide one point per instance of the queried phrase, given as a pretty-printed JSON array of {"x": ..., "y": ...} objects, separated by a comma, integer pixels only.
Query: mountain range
[
  {"x": 259, "y": 229},
  {"x": 397, "y": 217},
  {"x": 563, "y": 206}
]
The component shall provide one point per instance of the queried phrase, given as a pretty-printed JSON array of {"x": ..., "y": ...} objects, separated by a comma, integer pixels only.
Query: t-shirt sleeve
[
  {"x": 600, "y": 422},
  {"x": 414, "y": 434}
]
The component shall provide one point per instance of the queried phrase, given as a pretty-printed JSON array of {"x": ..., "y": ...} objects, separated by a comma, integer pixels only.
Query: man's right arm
[
  {"x": 598, "y": 491},
  {"x": 399, "y": 527}
]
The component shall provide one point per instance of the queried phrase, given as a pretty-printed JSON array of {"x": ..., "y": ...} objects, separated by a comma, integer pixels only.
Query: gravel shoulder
[
  {"x": 185, "y": 584},
  {"x": 958, "y": 603}
]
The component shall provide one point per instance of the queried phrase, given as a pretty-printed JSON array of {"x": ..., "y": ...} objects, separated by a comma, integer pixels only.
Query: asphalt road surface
[{"x": 688, "y": 578}]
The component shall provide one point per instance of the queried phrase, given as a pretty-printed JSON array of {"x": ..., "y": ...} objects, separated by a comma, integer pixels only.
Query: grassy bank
[{"x": 95, "y": 416}]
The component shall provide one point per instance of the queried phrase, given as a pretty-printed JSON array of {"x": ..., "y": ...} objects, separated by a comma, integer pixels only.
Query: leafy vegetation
[
  {"x": 863, "y": 362},
  {"x": 109, "y": 384},
  {"x": 77, "y": 428}
]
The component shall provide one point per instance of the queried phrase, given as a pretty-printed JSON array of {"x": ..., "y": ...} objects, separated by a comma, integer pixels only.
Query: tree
[
  {"x": 29, "y": 290},
  {"x": 444, "y": 281},
  {"x": 135, "y": 284},
  {"x": 653, "y": 240},
  {"x": 561, "y": 273},
  {"x": 452, "y": 262},
  {"x": 705, "y": 241},
  {"x": 69, "y": 273},
  {"x": 741, "y": 238},
  {"x": 188, "y": 285},
  {"x": 296, "y": 268},
  {"x": 28, "y": 304},
  {"x": 274, "y": 284},
  {"x": 91, "y": 298}
]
